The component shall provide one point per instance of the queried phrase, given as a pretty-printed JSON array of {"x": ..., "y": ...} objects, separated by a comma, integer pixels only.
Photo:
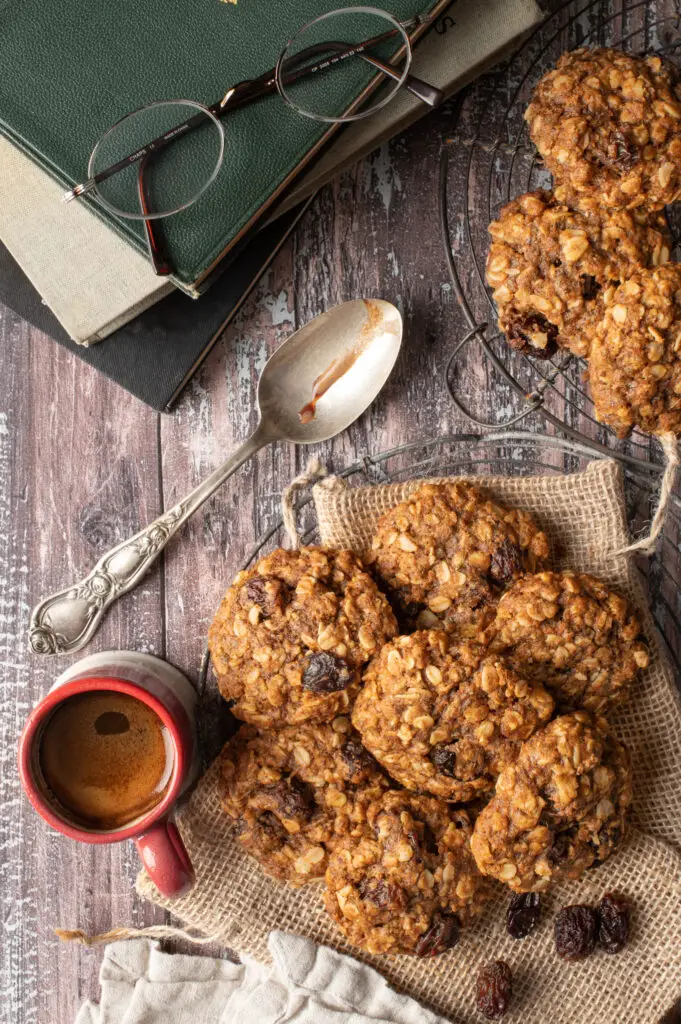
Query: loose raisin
[
  {"x": 575, "y": 930},
  {"x": 506, "y": 561},
  {"x": 326, "y": 673},
  {"x": 494, "y": 989},
  {"x": 443, "y": 934},
  {"x": 613, "y": 923},
  {"x": 523, "y": 914}
]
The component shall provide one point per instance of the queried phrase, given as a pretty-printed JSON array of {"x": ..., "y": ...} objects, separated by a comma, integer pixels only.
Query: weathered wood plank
[{"x": 78, "y": 471}]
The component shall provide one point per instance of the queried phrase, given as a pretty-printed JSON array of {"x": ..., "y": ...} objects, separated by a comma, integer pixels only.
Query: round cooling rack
[
  {"x": 489, "y": 160},
  {"x": 507, "y": 453}
]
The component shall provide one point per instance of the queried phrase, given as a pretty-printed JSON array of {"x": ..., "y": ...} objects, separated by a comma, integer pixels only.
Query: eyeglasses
[{"x": 158, "y": 160}]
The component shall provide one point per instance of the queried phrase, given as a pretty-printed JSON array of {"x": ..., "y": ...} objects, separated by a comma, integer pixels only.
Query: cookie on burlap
[
  {"x": 444, "y": 554},
  {"x": 550, "y": 267},
  {"x": 410, "y": 881},
  {"x": 608, "y": 124},
  {"x": 293, "y": 791},
  {"x": 560, "y": 809},
  {"x": 635, "y": 365},
  {"x": 581, "y": 639},
  {"x": 291, "y": 636},
  {"x": 443, "y": 718}
]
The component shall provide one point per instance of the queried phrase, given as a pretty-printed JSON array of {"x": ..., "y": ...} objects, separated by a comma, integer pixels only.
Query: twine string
[
  {"x": 646, "y": 545},
  {"x": 160, "y": 931},
  {"x": 312, "y": 472}
]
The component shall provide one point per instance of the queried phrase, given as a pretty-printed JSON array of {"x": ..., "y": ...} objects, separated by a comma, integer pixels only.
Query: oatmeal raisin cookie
[
  {"x": 410, "y": 881},
  {"x": 292, "y": 792},
  {"x": 442, "y": 717},
  {"x": 560, "y": 809},
  {"x": 291, "y": 636},
  {"x": 608, "y": 125},
  {"x": 569, "y": 630},
  {"x": 635, "y": 365},
  {"x": 550, "y": 268},
  {"x": 444, "y": 554}
]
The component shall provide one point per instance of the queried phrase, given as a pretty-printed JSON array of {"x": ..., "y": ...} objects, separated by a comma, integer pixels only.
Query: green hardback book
[{"x": 69, "y": 70}]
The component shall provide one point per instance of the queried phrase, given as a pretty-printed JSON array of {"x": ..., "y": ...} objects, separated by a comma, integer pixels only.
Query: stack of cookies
[
  {"x": 427, "y": 722},
  {"x": 584, "y": 267}
]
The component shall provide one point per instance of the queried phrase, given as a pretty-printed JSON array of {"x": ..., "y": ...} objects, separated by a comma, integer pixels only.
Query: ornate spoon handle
[{"x": 66, "y": 621}]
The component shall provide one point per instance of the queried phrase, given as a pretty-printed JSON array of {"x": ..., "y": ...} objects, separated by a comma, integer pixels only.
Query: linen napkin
[{"x": 305, "y": 984}]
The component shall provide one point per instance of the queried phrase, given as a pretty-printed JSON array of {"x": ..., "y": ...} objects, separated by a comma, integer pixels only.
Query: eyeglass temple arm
[
  {"x": 157, "y": 250},
  {"x": 423, "y": 91},
  {"x": 243, "y": 93}
]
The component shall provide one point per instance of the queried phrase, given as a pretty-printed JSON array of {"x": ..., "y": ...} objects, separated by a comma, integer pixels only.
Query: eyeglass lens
[
  {"x": 179, "y": 168},
  {"x": 345, "y": 49}
]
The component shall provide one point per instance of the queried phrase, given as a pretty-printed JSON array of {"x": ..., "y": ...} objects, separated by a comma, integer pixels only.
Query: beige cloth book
[
  {"x": 93, "y": 281},
  {"x": 467, "y": 40}
]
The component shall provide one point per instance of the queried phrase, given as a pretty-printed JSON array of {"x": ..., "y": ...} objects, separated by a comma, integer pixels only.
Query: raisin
[
  {"x": 506, "y": 561},
  {"x": 613, "y": 150},
  {"x": 624, "y": 155},
  {"x": 443, "y": 934},
  {"x": 444, "y": 760},
  {"x": 267, "y": 592},
  {"x": 575, "y": 930},
  {"x": 522, "y": 327},
  {"x": 590, "y": 286},
  {"x": 295, "y": 798},
  {"x": 422, "y": 840},
  {"x": 271, "y": 825},
  {"x": 358, "y": 759},
  {"x": 613, "y": 922},
  {"x": 560, "y": 849},
  {"x": 326, "y": 673},
  {"x": 523, "y": 914},
  {"x": 380, "y": 893},
  {"x": 494, "y": 989}
]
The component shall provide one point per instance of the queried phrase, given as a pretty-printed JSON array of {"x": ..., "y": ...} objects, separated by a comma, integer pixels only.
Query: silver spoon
[{"x": 314, "y": 386}]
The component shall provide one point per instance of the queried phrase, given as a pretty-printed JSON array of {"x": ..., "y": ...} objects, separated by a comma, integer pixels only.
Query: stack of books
[{"x": 83, "y": 277}]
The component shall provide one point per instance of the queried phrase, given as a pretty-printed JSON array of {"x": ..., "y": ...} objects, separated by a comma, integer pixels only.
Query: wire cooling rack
[{"x": 491, "y": 159}]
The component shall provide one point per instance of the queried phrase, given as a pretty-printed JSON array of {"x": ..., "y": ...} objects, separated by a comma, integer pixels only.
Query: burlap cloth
[{"x": 583, "y": 515}]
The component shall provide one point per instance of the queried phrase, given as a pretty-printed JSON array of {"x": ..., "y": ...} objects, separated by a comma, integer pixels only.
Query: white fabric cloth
[{"x": 305, "y": 984}]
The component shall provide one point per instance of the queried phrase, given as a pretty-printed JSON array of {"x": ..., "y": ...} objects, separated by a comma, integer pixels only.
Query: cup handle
[{"x": 166, "y": 861}]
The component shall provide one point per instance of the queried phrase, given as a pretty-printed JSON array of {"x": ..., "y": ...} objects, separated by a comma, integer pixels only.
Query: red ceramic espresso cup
[{"x": 173, "y": 699}]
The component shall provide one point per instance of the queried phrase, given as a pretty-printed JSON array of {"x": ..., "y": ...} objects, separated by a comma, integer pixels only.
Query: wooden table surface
[{"x": 83, "y": 465}]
